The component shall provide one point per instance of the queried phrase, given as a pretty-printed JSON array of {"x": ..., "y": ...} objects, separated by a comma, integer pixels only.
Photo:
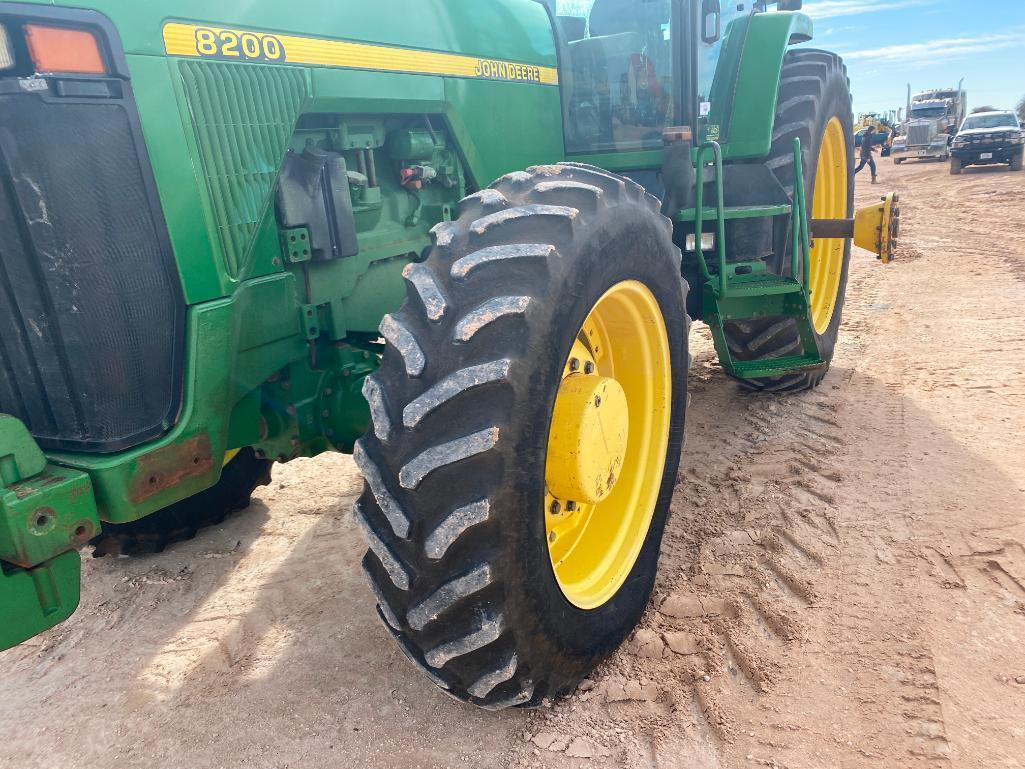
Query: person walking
[{"x": 867, "y": 145}]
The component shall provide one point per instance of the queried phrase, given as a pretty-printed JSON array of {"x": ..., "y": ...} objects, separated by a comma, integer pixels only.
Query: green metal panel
[
  {"x": 34, "y": 600},
  {"x": 747, "y": 80},
  {"x": 46, "y": 514},
  {"x": 233, "y": 345},
  {"x": 20, "y": 457},
  {"x": 504, "y": 128},
  {"x": 170, "y": 140},
  {"x": 243, "y": 116}
]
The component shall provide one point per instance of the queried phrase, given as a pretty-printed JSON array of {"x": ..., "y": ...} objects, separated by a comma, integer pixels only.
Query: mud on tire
[
  {"x": 183, "y": 520},
  {"x": 813, "y": 89},
  {"x": 454, "y": 463}
]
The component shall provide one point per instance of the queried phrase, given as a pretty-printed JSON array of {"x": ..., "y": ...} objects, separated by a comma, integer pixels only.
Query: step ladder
[{"x": 745, "y": 291}]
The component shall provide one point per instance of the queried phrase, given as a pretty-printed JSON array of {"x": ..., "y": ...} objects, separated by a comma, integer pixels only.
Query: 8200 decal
[{"x": 248, "y": 46}]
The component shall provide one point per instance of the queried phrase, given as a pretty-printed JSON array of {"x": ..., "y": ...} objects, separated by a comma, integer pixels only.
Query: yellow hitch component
[
  {"x": 876, "y": 227},
  {"x": 587, "y": 442}
]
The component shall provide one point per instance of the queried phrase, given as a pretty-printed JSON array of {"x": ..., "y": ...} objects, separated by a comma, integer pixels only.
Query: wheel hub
[
  {"x": 607, "y": 443},
  {"x": 588, "y": 439}
]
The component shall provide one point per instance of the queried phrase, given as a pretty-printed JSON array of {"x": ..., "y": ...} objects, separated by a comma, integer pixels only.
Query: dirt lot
[{"x": 842, "y": 583}]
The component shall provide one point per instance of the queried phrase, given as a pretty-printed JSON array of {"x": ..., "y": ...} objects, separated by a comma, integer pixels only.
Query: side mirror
[{"x": 710, "y": 20}]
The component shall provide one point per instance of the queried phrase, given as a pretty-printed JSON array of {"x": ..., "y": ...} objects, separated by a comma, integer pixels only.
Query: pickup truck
[{"x": 988, "y": 137}]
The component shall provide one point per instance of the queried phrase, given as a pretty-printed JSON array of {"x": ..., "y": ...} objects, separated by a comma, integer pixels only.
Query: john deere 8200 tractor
[{"x": 452, "y": 237}]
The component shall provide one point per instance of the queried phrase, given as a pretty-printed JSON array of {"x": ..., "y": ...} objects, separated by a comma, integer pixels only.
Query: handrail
[
  {"x": 801, "y": 245},
  {"x": 720, "y": 222}
]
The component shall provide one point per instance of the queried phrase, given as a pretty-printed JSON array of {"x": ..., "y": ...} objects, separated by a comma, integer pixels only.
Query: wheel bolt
[
  {"x": 551, "y": 537},
  {"x": 597, "y": 401},
  {"x": 588, "y": 368},
  {"x": 556, "y": 507},
  {"x": 574, "y": 364}
]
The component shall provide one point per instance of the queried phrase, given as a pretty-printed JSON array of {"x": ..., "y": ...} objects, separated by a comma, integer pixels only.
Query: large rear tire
[
  {"x": 183, "y": 520},
  {"x": 814, "y": 105},
  {"x": 554, "y": 282}
]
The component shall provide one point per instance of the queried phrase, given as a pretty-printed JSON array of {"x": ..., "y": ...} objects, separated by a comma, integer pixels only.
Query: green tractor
[{"x": 451, "y": 237}]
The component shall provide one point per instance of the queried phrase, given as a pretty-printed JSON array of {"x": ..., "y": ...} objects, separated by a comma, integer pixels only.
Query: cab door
[{"x": 719, "y": 30}]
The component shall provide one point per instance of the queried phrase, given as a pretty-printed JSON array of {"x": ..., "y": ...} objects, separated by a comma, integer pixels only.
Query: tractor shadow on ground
[{"x": 260, "y": 641}]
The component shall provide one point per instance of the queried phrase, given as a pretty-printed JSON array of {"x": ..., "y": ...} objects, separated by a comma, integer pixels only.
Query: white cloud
[
  {"x": 828, "y": 9},
  {"x": 934, "y": 51}
]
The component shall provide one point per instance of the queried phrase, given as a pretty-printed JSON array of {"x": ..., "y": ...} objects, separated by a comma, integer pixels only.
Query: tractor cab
[{"x": 632, "y": 68}]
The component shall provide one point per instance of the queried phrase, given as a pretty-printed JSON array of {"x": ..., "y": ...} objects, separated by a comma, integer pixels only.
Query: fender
[{"x": 747, "y": 79}]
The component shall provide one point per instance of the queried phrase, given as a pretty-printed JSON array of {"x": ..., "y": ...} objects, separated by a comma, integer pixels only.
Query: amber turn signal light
[{"x": 59, "y": 49}]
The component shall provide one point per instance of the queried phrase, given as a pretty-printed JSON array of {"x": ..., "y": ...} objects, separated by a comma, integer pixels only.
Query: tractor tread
[
  {"x": 489, "y": 630},
  {"x": 379, "y": 419},
  {"x": 454, "y": 525},
  {"x": 452, "y": 386},
  {"x": 397, "y": 571},
  {"x": 402, "y": 339},
  {"x": 462, "y": 268},
  {"x": 385, "y": 499},
  {"x": 419, "y": 467},
  {"x": 487, "y": 313},
  {"x": 431, "y": 296},
  {"x": 446, "y": 596}
]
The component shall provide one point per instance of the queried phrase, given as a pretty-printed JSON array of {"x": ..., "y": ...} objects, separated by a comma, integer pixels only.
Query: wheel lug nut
[
  {"x": 555, "y": 507},
  {"x": 551, "y": 537},
  {"x": 574, "y": 364},
  {"x": 588, "y": 368},
  {"x": 597, "y": 401}
]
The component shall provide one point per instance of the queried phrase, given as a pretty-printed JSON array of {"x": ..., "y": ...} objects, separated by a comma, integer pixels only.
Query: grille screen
[
  {"x": 243, "y": 115},
  {"x": 919, "y": 133},
  {"x": 90, "y": 319}
]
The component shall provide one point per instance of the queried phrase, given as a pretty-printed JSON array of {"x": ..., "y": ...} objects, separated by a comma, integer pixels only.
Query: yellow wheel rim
[
  {"x": 829, "y": 201},
  {"x": 607, "y": 444}
]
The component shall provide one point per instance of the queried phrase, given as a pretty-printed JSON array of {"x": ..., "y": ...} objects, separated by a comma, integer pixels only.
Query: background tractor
[
  {"x": 241, "y": 234},
  {"x": 882, "y": 125}
]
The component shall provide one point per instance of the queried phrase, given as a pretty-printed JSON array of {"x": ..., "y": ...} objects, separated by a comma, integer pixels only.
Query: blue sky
[{"x": 929, "y": 43}]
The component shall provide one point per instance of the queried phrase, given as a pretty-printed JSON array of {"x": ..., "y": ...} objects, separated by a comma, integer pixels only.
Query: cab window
[{"x": 616, "y": 73}]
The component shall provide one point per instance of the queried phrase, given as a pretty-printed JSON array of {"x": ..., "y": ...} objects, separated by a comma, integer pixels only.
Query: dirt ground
[{"x": 842, "y": 581}]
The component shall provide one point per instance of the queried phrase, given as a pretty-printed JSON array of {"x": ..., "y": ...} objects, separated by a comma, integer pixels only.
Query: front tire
[
  {"x": 955, "y": 166},
  {"x": 814, "y": 104},
  {"x": 454, "y": 507},
  {"x": 1016, "y": 162}
]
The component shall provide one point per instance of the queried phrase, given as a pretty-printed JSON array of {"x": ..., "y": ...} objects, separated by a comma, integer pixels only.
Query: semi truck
[{"x": 932, "y": 119}]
